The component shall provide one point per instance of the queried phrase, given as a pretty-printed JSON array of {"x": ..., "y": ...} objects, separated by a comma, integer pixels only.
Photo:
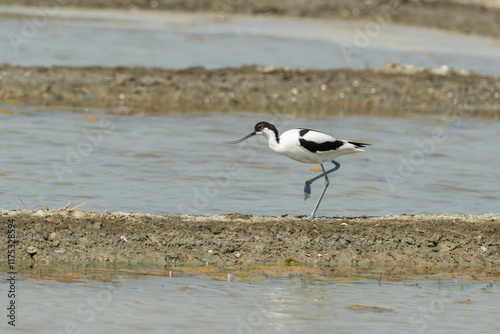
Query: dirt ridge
[
  {"x": 52, "y": 237},
  {"x": 394, "y": 90}
]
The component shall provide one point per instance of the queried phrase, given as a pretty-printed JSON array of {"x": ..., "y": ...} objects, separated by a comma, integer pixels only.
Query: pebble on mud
[
  {"x": 237, "y": 255},
  {"x": 78, "y": 214},
  {"x": 43, "y": 212},
  {"x": 32, "y": 251}
]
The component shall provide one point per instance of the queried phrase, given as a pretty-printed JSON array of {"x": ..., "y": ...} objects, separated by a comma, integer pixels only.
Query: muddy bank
[
  {"x": 391, "y": 90},
  {"x": 468, "y": 16},
  {"x": 73, "y": 236}
]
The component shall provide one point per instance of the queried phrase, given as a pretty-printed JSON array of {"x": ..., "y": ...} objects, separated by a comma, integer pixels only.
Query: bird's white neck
[{"x": 273, "y": 139}]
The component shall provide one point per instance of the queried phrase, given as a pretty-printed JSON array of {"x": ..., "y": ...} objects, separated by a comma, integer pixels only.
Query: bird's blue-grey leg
[
  {"x": 307, "y": 186},
  {"x": 327, "y": 183}
]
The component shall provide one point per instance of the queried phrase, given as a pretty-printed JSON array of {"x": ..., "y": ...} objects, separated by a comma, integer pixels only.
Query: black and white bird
[{"x": 307, "y": 146}]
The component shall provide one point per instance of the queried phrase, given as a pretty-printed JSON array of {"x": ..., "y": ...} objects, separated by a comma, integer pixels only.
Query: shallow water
[
  {"x": 189, "y": 304},
  {"x": 178, "y": 163},
  {"x": 162, "y": 39}
]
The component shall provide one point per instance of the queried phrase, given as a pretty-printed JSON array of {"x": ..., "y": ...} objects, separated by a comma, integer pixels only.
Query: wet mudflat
[
  {"x": 391, "y": 90},
  {"x": 445, "y": 241},
  {"x": 176, "y": 302}
]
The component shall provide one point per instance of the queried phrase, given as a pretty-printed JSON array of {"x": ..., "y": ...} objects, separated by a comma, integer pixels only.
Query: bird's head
[
  {"x": 264, "y": 128},
  {"x": 261, "y": 128}
]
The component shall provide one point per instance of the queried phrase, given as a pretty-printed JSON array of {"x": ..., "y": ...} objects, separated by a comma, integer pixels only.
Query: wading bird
[{"x": 307, "y": 146}]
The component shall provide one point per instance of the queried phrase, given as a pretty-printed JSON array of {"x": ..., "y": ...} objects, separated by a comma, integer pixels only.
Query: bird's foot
[
  {"x": 308, "y": 218},
  {"x": 307, "y": 191}
]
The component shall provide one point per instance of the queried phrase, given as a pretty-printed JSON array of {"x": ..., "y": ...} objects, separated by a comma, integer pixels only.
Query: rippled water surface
[
  {"x": 162, "y": 39},
  {"x": 185, "y": 304},
  {"x": 178, "y": 163}
]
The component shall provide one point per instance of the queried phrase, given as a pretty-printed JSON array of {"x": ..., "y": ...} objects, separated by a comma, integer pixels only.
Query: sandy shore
[
  {"x": 391, "y": 90},
  {"x": 73, "y": 236},
  {"x": 468, "y": 16}
]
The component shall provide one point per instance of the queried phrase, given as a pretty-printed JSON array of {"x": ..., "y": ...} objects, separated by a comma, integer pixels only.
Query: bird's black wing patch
[
  {"x": 321, "y": 147},
  {"x": 302, "y": 132}
]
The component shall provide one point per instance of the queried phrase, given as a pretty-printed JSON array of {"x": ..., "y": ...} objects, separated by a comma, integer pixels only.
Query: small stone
[
  {"x": 78, "y": 214},
  {"x": 237, "y": 255},
  {"x": 31, "y": 250},
  {"x": 84, "y": 241},
  {"x": 55, "y": 243},
  {"x": 41, "y": 213}
]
